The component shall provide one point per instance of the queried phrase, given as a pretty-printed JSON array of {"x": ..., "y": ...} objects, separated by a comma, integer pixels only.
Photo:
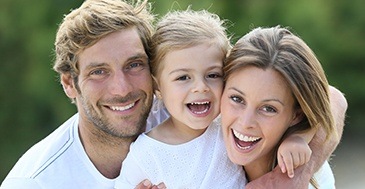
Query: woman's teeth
[{"x": 245, "y": 138}]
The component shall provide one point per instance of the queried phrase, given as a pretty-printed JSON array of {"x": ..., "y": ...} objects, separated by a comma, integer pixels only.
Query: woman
[{"x": 274, "y": 86}]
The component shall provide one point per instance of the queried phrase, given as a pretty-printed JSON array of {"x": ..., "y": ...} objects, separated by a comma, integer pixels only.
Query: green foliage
[{"x": 33, "y": 103}]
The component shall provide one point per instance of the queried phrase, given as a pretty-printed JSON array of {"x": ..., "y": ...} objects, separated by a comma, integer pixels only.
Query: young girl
[
  {"x": 274, "y": 86},
  {"x": 187, "y": 58},
  {"x": 186, "y": 150}
]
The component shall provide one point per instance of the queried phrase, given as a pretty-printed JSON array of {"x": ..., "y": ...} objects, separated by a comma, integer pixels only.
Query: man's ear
[
  {"x": 68, "y": 86},
  {"x": 297, "y": 117}
]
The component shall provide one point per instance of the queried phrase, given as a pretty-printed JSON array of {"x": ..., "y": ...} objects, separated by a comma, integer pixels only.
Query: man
[
  {"x": 101, "y": 56},
  {"x": 102, "y": 51}
]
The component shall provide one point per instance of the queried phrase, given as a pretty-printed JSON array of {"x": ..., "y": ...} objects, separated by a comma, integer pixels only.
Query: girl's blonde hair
[{"x": 182, "y": 29}]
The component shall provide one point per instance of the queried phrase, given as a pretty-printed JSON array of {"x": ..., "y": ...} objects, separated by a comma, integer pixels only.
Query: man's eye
[
  {"x": 97, "y": 72},
  {"x": 134, "y": 65}
]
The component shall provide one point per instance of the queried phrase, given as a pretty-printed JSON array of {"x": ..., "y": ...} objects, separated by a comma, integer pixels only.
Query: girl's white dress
[{"x": 199, "y": 163}]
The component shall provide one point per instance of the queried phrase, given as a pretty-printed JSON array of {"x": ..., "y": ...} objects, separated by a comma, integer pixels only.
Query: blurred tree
[{"x": 32, "y": 101}]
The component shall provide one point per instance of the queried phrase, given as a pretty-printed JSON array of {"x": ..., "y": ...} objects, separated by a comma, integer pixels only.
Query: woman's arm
[{"x": 321, "y": 151}]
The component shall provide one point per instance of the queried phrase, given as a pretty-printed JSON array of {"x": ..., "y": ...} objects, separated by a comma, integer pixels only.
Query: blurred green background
[{"x": 33, "y": 103}]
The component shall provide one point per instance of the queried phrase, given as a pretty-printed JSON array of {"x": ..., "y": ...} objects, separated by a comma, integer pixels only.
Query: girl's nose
[{"x": 200, "y": 86}]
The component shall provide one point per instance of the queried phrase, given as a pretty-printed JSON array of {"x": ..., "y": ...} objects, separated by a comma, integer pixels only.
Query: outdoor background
[{"x": 33, "y": 103}]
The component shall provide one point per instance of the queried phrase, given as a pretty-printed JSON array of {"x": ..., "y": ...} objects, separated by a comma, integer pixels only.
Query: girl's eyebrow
[
  {"x": 186, "y": 69},
  {"x": 179, "y": 70}
]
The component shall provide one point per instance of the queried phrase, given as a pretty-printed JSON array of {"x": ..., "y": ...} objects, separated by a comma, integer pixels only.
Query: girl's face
[
  {"x": 257, "y": 108},
  {"x": 191, "y": 85}
]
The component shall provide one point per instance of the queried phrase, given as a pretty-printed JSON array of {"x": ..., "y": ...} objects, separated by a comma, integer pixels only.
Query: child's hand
[
  {"x": 146, "y": 184},
  {"x": 292, "y": 153}
]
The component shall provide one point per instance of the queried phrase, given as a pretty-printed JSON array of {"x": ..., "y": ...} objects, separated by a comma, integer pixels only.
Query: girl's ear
[
  {"x": 297, "y": 117},
  {"x": 158, "y": 94},
  {"x": 68, "y": 86},
  {"x": 156, "y": 88}
]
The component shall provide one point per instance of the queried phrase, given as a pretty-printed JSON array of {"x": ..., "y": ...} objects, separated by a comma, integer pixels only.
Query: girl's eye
[
  {"x": 237, "y": 99},
  {"x": 214, "y": 75},
  {"x": 269, "y": 109},
  {"x": 183, "y": 78}
]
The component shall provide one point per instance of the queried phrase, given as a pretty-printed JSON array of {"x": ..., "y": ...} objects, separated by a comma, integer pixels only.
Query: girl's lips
[{"x": 199, "y": 108}]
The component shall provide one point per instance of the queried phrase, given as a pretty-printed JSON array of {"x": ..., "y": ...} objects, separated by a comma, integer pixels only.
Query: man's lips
[{"x": 123, "y": 108}]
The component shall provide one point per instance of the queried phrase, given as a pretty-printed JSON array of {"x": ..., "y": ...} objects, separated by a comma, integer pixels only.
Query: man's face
[{"x": 114, "y": 88}]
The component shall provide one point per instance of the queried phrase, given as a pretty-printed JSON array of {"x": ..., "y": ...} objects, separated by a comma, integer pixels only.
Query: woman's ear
[
  {"x": 68, "y": 86},
  {"x": 297, "y": 117}
]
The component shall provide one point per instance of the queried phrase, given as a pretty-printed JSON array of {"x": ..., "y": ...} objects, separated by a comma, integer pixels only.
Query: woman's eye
[
  {"x": 237, "y": 99},
  {"x": 269, "y": 109}
]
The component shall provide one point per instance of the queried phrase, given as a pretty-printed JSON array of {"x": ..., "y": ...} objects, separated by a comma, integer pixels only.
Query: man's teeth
[
  {"x": 119, "y": 108},
  {"x": 245, "y": 138}
]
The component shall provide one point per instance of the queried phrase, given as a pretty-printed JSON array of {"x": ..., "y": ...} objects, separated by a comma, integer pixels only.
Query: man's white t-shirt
[{"x": 58, "y": 161}]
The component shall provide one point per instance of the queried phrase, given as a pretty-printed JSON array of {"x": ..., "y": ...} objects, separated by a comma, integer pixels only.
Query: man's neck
[{"x": 105, "y": 152}]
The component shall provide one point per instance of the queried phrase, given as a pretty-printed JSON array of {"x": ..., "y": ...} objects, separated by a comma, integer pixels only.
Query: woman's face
[{"x": 257, "y": 107}]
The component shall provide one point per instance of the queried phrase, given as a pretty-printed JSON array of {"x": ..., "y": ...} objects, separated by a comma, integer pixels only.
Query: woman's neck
[
  {"x": 255, "y": 171},
  {"x": 259, "y": 167}
]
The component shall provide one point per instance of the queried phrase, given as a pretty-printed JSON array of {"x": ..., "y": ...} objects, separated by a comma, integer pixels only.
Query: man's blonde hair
[{"x": 93, "y": 20}]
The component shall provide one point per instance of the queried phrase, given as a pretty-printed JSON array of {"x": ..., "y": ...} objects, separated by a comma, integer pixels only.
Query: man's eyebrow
[
  {"x": 95, "y": 65},
  {"x": 138, "y": 56},
  {"x": 100, "y": 64}
]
